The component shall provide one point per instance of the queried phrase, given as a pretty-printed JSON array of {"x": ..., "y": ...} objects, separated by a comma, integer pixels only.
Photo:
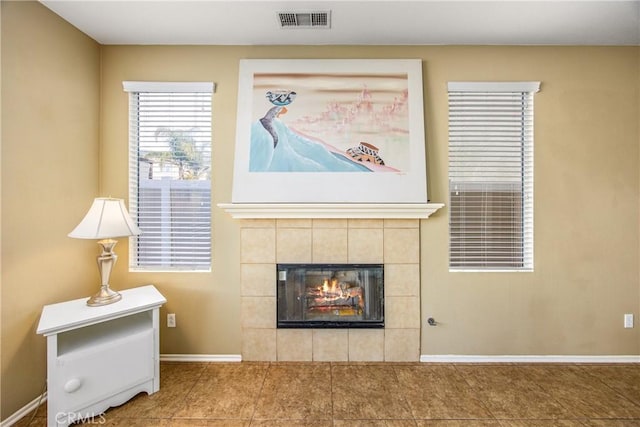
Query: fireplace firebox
[{"x": 330, "y": 295}]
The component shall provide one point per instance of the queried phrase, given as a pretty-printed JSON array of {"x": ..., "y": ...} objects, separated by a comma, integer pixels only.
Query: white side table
[{"x": 99, "y": 357}]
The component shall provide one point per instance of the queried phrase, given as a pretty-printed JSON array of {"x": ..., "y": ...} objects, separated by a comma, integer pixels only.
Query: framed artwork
[{"x": 330, "y": 131}]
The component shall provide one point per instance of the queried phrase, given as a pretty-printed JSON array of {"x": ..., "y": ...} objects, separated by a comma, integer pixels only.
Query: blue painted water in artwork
[{"x": 288, "y": 151}]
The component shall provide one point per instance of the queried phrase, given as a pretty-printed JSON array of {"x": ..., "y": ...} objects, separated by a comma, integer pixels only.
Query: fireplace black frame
[{"x": 328, "y": 324}]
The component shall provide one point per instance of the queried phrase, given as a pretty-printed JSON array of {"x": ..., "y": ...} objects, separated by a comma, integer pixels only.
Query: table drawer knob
[{"x": 72, "y": 385}]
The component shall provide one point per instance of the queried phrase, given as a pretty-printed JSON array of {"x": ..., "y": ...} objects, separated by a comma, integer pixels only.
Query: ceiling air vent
[{"x": 304, "y": 19}]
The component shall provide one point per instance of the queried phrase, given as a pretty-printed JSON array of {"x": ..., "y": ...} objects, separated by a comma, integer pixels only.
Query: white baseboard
[
  {"x": 25, "y": 411},
  {"x": 459, "y": 358},
  {"x": 437, "y": 358},
  {"x": 200, "y": 358}
]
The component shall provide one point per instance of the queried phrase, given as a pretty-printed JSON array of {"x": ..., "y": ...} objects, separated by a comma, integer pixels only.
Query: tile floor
[{"x": 382, "y": 394}]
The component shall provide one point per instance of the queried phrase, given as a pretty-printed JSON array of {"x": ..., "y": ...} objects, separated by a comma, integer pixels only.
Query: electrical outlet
[
  {"x": 171, "y": 320},
  {"x": 628, "y": 320}
]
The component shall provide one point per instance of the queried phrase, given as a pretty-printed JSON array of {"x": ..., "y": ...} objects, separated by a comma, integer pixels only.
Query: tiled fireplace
[{"x": 394, "y": 243}]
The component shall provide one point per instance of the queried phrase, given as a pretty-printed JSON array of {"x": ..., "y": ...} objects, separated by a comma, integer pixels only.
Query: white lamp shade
[{"x": 106, "y": 218}]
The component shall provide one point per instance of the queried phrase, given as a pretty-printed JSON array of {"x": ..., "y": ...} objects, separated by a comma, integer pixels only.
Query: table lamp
[{"x": 107, "y": 218}]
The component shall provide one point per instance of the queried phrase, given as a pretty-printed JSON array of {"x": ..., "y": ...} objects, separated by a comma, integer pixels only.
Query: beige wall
[
  {"x": 586, "y": 199},
  {"x": 586, "y": 210},
  {"x": 0, "y": 213},
  {"x": 207, "y": 305},
  {"x": 57, "y": 83},
  {"x": 50, "y": 111}
]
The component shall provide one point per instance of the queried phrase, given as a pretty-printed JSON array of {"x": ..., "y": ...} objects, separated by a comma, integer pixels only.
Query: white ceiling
[{"x": 240, "y": 22}]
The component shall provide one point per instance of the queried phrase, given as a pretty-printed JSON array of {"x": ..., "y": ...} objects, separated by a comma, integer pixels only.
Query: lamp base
[
  {"x": 103, "y": 297},
  {"x": 106, "y": 260}
]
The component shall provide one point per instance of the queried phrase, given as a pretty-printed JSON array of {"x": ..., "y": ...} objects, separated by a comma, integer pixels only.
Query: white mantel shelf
[{"x": 330, "y": 210}]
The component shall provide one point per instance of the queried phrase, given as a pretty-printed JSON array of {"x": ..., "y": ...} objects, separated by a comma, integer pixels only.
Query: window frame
[
  {"x": 465, "y": 171},
  {"x": 135, "y": 88}
]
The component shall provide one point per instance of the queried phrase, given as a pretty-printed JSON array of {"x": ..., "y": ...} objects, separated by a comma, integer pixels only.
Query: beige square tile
[
  {"x": 293, "y": 245},
  {"x": 294, "y": 223},
  {"x": 380, "y": 423},
  {"x": 586, "y": 395},
  {"x": 624, "y": 379},
  {"x": 401, "y": 245},
  {"x": 402, "y": 345},
  {"x": 401, "y": 223},
  {"x": 367, "y": 392},
  {"x": 510, "y": 391},
  {"x": 176, "y": 381},
  {"x": 366, "y": 245},
  {"x": 295, "y": 392},
  {"x": 258, "y": 312},
  {"x": 258, "y": 280},
  {"x": 401, "y": 280},
  {"x": 366, "y": 345},
  {"x": 366, "y": 223},
  {"x": 402, "y": 312},
  {"x": 330, "y": 245},
  {"x": 438, "y": 391},
  {"x": 587, "y": 423},
  {"x": 290, "y": 423},
  {"x": 225, "y": 391},
  {"x": 330, "y": 223},
  {"x": 330, "y": 345},
  {"x": 259, "y": 345},
  {"x": 568, "y": 423},
  {"x": 295, "y": 345},
  {"x": 258, "y": 245},
  {"x": 257, "y": 223}
]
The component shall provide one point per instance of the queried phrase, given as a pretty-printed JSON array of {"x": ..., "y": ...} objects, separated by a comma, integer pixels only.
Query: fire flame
[
  {"x": 330, "y": 289},
  {"x": 333, "y": 293}
]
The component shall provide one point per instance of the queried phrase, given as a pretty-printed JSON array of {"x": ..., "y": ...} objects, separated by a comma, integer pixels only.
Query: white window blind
[
  {"x": 170, "y": 175},
  {"x": 491, "y": 176}
]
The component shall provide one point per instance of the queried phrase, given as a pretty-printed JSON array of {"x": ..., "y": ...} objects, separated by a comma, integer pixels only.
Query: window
[
  {"x": 170, "y": 175},
  {"x": 491, "y": 176}
]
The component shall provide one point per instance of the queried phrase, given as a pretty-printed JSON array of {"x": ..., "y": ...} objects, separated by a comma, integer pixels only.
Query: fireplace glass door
[{"x": 330, "y": 295}]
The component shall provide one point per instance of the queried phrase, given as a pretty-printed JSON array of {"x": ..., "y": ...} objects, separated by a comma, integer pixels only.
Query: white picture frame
[{"x": 368, "y": 114}]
